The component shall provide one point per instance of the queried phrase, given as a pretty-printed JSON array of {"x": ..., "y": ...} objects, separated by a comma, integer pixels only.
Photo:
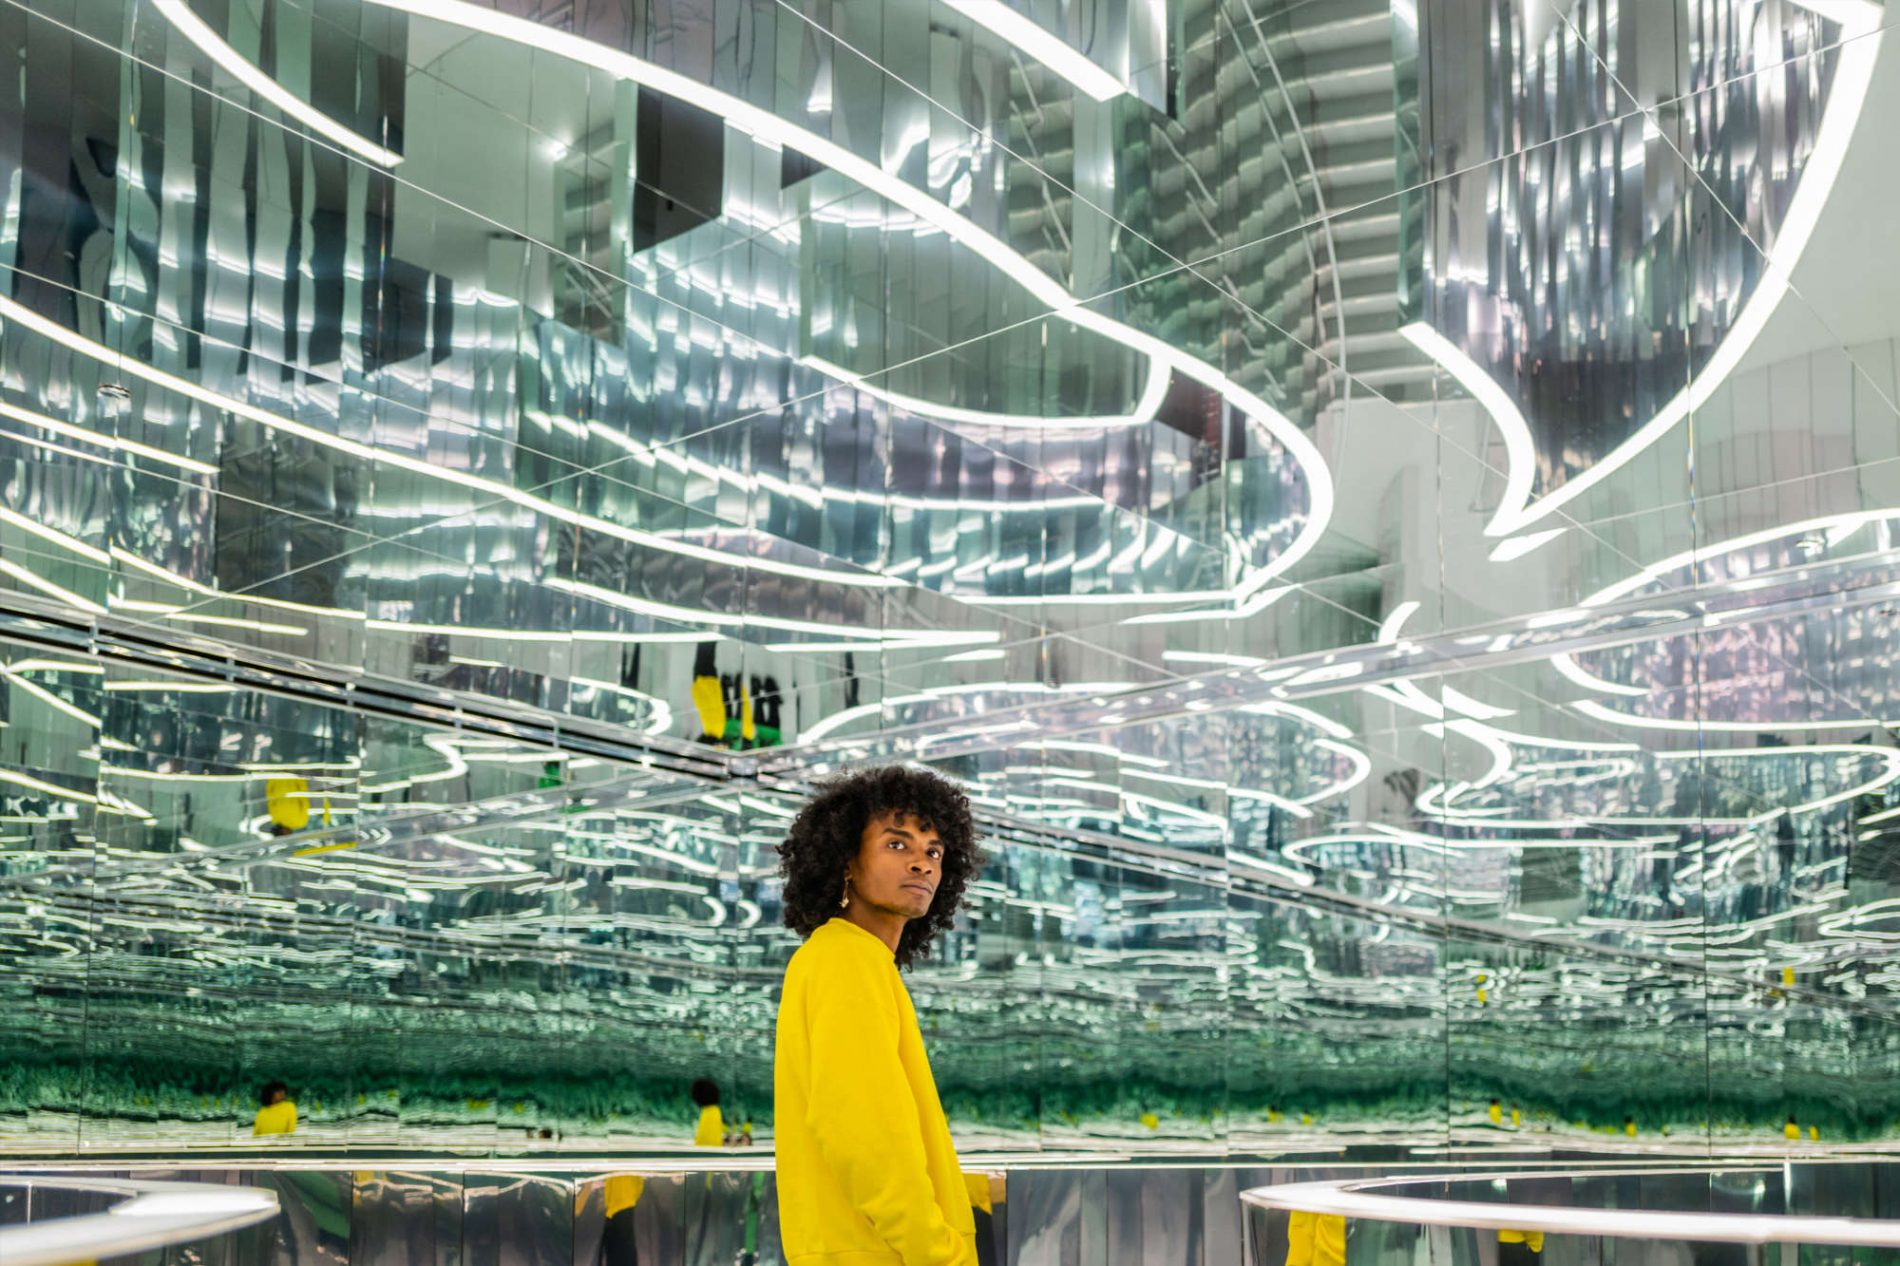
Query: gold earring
[{"x": 844, "y": 902}]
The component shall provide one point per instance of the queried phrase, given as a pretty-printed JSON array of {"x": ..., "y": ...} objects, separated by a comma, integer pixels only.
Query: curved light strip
[
  {"x": 771, "y": 129},
  {"x": 1591, "y": 708},
  {"x": 189, "y": 25},
  {"x": 1434, "y": 800},
  {"x": 838, "y": 720},
  {"x": 1355, "y": 1199},
  {"x": 72, "y": 431},
  {"x": 901, "y": 638},
  {"x": 15, "y": 313},
  {"x": 1143, "y": 413},
  {"x": 1361, "y": 770},
  {"x": 1837, "y": 527},
  {"x": 1563, "y": 662},
  {"x": 1031, "y": 40},
  {"x": 158, "y": 1215},
  {"x": 1856, "y": 53}
]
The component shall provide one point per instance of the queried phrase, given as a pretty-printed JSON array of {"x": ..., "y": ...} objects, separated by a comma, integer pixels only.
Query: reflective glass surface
[{"x": 1387, "y": 508}]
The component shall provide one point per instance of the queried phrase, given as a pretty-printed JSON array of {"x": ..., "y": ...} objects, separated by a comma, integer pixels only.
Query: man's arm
[{"x": 863, "y": 1115}]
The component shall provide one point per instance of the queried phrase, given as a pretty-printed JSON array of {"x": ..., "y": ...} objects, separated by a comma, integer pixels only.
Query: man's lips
[{"x": 920, "y": 886}]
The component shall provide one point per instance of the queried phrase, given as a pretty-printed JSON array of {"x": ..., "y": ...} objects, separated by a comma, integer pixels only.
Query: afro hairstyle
[{"x": 829, "y": 830}]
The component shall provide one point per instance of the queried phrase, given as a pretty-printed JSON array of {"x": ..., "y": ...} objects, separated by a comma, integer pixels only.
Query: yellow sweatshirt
[
  {"x": 867, "y": 1175},
  {"x": 277, "y": 1118}
]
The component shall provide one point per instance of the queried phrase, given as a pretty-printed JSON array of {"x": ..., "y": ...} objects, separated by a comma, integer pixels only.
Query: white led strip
[
  {"x": 157, "y": 1215},
  {"x": 1855, "y": 56},
  {"x": 14, "y": 313},
  {"x": 1033, "y": 41},
  {"x": 1355, "y": 1198},
  {"x": 1141, "y": 415},
  {"x": 193, "y": 28},
  {"x": 771, "y": 129}
]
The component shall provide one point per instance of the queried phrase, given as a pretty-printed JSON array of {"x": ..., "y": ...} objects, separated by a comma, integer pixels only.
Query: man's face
[{"x": 898, "y": 866}]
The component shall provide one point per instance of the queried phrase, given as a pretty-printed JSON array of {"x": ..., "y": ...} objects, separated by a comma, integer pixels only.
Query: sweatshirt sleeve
[{"x": 863, "y": 1115}]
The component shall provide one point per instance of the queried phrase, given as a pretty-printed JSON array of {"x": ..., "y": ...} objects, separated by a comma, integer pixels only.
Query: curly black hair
[{"x": 829, "y": 829}]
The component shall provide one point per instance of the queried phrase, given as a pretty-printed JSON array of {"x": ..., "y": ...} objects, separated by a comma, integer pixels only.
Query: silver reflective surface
[{"x": 1389, "y": 510}]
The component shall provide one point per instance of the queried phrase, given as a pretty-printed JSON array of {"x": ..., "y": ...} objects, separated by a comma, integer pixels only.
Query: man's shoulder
[{"x": 837, "y": 944}]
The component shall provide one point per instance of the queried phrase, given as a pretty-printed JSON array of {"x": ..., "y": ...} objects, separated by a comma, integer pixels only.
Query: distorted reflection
[{"x": 1408, "y": 586}]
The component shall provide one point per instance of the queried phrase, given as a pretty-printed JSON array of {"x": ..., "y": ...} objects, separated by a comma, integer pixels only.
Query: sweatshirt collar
[{"x": 852, "y": 929}]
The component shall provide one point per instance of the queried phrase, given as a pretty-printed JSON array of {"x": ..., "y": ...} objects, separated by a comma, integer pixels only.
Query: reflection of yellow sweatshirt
[
  {"x": 867, "y": 1175},
  {"x": 278, "y": 1118},
  {"x": 711, "y": 1130}
]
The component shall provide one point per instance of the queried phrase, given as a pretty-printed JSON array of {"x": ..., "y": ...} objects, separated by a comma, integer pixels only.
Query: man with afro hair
[{"x": 874, "y": 867}]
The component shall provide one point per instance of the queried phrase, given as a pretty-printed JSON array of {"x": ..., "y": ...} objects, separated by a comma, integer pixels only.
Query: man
[
  {"x": 874, "y": 868},
  {"x": 276, "y": 1114},
  {"x": 710, "y": 1131}
]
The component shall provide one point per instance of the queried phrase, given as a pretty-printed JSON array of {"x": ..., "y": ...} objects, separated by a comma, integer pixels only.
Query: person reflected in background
[
  {"x": 710, "y": 1131},
  {"x": 987, "y": 1193},
  {"x": 1520, "y": 1248},
  {"x": 875, "y": 867},
  {"x": 622, "y": 1193},
  {"x": 276, "y": 1114},
  {"x": 1315, "y": 1239},
  {"x": 1791, "y": 1131}
]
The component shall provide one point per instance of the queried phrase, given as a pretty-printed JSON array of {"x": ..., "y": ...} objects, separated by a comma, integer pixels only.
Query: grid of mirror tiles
[{"x": 1387, "y": 506}]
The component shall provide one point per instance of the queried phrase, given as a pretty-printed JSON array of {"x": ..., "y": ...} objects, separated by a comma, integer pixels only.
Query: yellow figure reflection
[
  {"x": 1495, "y": 1112},
  {"x": 623, "y": 1192},
  {"x": 1791, "y": 1131},
  {"x": 987, "y": 1193},
  {"x": 1315, "y": 1239},
  {"x": 276, "y": 1114},
  {"x": 288, "y": 800},
  {"x": 711, "y": 1129}
]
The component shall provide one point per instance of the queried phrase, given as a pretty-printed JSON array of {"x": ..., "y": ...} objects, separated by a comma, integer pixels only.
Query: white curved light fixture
[
  {"x": 1836, "y": 526},
  {"x": 1142, "y": 414},
  {"x": 1356, "y": 1198},
  {"x": 770, "y": 128},
  {"x": 1033, "y": 41},
  {"x": 1856, "y": 53},
  {"x": 12, "y": 312},
  {"x": 207, "y": 41},
  {"x": 158, "y": 1215},
  {"x": 1689, "y": 725}
]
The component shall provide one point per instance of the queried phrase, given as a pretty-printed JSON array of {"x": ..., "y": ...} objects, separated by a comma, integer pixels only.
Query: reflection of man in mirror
[
  {"x": 276, "y": 1114},
  {"x": 710, "y": 1130},
  {"x": 874, "y": 867}
]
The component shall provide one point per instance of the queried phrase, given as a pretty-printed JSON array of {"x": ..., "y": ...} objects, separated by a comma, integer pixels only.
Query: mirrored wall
[{"x": 1388, "y": 509}]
